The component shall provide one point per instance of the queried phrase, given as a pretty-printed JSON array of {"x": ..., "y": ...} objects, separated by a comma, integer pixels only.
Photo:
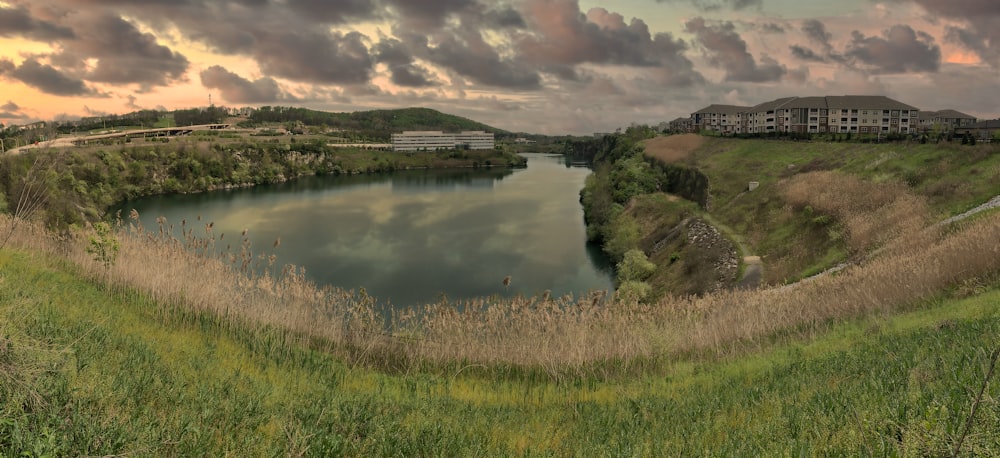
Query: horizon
[{"x": 535, "y": 66}]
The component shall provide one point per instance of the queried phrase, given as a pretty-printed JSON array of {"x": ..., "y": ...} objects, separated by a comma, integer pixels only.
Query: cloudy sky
[{"x": 541, "y": 66}]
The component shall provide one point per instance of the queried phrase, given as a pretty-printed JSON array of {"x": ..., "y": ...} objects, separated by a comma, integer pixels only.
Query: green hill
[{"x": 378, "y": 123}]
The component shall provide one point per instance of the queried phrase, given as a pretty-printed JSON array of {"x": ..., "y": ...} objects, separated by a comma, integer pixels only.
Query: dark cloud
[
  {"x": 330, "y": 11},
  {"x": 816, "y": 32},
  {"x": 899, "y": 50},
  {"x": 316, "y": 57},
  {"x": 427, "y": 15},
  {"x": 19, "y": 22},
  {"x": 806, "y": 54},
  {"x": 44, "y": 78},
  {"x": 10, "y": 106},
  {"x": 236, "y": 89},
  {"x": 563, "y": 37},
  {"x": 467, "y": 53},
  {"x": 727, "y": 50},
  {"x": 982, "y": 34},
  {"x": 401, "y": 67},
  {"x": 713, "y": 5},
  {"x": 125, "y": 55}
]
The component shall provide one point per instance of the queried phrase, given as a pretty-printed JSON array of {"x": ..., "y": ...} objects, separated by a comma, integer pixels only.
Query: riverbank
[{"x": 80, "y": 185}]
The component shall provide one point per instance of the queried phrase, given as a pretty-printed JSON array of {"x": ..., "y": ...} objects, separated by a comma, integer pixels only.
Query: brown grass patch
[
  {"x": 871, "y": 213},
  {"x": 673, "y": 148}
]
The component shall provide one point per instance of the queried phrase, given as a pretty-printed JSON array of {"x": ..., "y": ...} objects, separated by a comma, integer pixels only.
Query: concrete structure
[
  {"x": 856, "y": 114},
  {"x": 437, "y": 140}
]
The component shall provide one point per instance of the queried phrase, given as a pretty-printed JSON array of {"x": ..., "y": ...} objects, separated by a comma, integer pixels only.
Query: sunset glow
[{"x": 546, "y": 66}]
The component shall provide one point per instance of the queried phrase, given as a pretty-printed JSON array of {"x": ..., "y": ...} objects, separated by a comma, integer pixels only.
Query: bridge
[
  {"x": 126, "y": 134},
  {"x": 145, "y": 133}
]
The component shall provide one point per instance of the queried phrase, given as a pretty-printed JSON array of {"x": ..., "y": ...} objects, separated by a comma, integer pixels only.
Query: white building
[{"x": 435, "y": 140}]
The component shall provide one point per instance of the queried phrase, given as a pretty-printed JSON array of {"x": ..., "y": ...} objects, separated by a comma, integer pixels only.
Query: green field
[{"x": 93, "y": 373}]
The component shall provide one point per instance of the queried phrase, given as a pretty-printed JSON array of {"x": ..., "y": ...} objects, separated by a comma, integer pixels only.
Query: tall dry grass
[
  {"x": 559, "y": 335},
  {"x": 871, "y": 213}
]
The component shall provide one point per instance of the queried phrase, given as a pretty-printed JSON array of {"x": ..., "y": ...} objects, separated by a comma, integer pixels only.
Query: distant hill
[{"x": 379, "y": 123}]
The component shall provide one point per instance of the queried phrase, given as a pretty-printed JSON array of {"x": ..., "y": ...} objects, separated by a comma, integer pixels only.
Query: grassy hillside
[
  {"x": 802, "y": 220},
  {"x": 91, "y": 371}
]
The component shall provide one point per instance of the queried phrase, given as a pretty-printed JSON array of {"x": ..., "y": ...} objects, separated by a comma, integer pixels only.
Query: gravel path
[{"x": 993, "y": 203}]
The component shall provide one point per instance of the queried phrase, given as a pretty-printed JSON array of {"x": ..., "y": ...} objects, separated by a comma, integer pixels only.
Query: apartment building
[
  {"x": 719, "y": 118},
  {"x": 856, "y": 114},
  {"x": 945, "y": 120},
  {"x": 680, "y": 125},
  {"x": 437, "y": 140}
]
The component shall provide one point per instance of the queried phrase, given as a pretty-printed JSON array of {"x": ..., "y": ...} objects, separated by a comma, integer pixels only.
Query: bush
[{"x": 635, "y": 266}]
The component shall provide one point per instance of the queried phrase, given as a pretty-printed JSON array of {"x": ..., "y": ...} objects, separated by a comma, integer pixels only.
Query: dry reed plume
[
  {"x": 871, "y": 213},
  {"x": 561, "y": 335}
]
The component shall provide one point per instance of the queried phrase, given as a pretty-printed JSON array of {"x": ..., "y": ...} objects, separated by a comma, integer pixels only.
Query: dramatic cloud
[
  {"x": 806, "y": 54},
  {"x": 564, "y": 37},
  {"x": 125, "y": 55},
  {"x": 982, "y": 35},
  {"x": 19, "y": 22},
  {"x": 44, "y": 78},
  {"x": 816, "y": 32},
  {"x": 726, "y": 49},
  {"x": 710, "y": 5},
  {"x": 323, "y": 58},
  {"x": 425, "y": 15},
  {"x": 236, "y": 89},
  {"x": 404, "y": 72},
  {"x": 899, "y": 50}
]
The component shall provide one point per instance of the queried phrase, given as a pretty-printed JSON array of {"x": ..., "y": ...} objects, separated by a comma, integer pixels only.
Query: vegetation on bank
[
  {"x": 97, "y": 368},
  {"x": 859, "y": 194},
  {"x": 124, "y": 340},
  {"x": 81, "y": 184}
]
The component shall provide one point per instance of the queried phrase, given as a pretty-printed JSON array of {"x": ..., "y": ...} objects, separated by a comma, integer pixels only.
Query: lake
[{"x": 414, "y": 237}]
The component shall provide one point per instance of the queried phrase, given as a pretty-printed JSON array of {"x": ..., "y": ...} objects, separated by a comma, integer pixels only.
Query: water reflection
[{"x": 412, "y": 236}]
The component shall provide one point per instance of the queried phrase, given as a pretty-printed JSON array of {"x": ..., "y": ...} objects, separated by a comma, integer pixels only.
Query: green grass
[{"x": 119, "y": 374}]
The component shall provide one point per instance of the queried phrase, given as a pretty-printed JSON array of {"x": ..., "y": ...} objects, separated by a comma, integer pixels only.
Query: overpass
[{"x": 145, "y": 133}]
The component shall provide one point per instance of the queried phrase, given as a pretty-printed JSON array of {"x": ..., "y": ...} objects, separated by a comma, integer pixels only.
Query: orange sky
[{"x": 547, "y": 66}]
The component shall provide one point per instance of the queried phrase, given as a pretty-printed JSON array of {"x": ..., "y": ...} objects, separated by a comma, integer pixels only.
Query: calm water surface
[{"x": 412, "y": 237}]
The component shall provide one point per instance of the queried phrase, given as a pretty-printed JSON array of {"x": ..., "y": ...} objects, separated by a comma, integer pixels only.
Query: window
[
  {"x": 843, "y": 119},
  {"x": 813, "y": 119},
  {"x": 885, "y": 120}
]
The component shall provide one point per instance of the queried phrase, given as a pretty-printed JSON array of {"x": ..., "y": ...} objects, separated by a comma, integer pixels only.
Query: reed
[{"x": 243, "y": 289}]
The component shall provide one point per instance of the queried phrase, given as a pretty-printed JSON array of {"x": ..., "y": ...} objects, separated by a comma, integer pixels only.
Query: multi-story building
[
  {"x": 945, "y": 120},
  {"x": 436, "y": 140},
  {"x": 871, "y": 114},
  {"x": 856, "y": 114},
  {"x": 680, "y": 125},
  {"x": 984, "y": 131},
  {"x": 719, "y": 118}
]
